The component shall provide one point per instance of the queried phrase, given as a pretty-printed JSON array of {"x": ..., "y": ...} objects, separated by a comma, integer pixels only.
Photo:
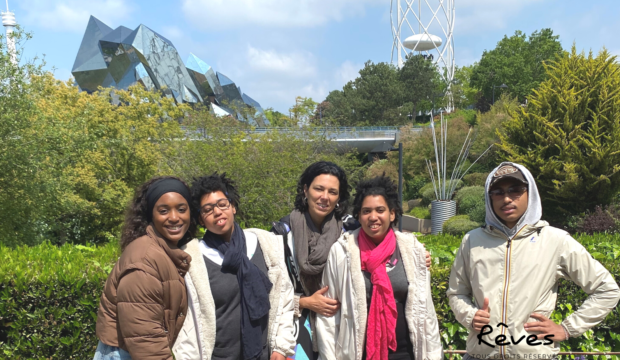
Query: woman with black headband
[
  {"x": 241, "y": 302},
  {"x": 144, "y": 302}
]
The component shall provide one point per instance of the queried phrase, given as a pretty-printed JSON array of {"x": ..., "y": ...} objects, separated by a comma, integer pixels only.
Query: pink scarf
[{"x": 381, "y": 330}]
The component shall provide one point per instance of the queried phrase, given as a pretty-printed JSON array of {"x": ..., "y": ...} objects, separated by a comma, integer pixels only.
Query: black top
[
  {"x": 225, "y": 291},
  {"x": 398, "y": 278}
]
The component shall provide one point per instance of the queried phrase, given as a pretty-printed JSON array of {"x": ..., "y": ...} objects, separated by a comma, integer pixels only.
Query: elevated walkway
[{"x": 364, "y": 139}]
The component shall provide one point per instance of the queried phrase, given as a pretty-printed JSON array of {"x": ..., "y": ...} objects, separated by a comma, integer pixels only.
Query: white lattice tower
[
  {"x": 8, "y": 20},
  {"x": 433, "y": 23}
]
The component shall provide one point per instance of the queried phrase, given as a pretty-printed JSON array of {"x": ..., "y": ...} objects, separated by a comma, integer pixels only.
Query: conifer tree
[{"x": 569, "y": 133}]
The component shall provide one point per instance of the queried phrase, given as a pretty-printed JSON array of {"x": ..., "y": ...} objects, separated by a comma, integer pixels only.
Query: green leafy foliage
[
  {"x": 459, "y": 225},
  {"x": 384, "y": 95},
  {"x": 475, "y": 179},
  {"x": 421, "y": 212},
  {"x": 265, "y": 167},
  {"x": 516, "y": 61},
  {"x": 569, "y": 134},
  {"x": 49, "y": 297},
  {"x": 470, "y": 202}
]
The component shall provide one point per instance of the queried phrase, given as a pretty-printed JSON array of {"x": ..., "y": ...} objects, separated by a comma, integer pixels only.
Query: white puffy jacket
[
  {"x": 197, "y": 337},
  {"x": 343, "y": 336},
  {"x": 520, "y": 277}
]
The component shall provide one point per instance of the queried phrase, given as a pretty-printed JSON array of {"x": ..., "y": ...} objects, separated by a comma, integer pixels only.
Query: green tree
[
  {"x": 517, "y": 61},
  {"x": 463, "y": 94},
  {"x": 421, "y": 85},
  {"x": 569, "y": 134},
  {"x": 21, "y": 193},
  {"x": 303, "y": 110},
  {"x": 278, "y": 119}
]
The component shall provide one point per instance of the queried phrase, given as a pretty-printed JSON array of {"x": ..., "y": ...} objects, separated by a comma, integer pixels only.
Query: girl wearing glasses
[
  {"x": 241, "y": 303},
  {"x": 309, "y": 232},
  {"x": 380, "y": 278},
  {"x": 144, "y": 302}
]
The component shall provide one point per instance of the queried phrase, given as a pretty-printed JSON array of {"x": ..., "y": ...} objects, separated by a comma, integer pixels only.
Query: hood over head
[{"x": 532, "y": 214}]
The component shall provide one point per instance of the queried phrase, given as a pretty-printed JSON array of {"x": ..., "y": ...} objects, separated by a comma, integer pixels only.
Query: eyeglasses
[
  {"x": 207, "y": 209},
  {"x": 512, "y": 192}
]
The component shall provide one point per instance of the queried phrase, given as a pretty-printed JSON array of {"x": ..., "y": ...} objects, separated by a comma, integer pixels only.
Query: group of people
[{"x": 326, "y": 285}]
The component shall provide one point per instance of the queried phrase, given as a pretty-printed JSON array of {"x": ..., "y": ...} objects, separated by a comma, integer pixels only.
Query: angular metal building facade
[{"x": 122, "y": 57}]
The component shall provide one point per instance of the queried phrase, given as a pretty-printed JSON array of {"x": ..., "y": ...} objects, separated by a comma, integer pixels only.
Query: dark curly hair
[
  {"x": 320, "y": 168},
  {"x": 209, "y": 184},
  {"x": 380, "y": 185},
  {"x": 136, "y": 216}
]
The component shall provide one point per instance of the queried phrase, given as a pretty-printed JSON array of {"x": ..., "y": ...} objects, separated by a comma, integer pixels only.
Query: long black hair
[
  {"x": 137, "y": 217},
  {"x": 320, "y": 168},
  {"x": 380, "y": 185}
]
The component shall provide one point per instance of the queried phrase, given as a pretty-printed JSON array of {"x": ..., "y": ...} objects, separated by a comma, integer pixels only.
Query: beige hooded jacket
[{"x": 519, "y": 273}]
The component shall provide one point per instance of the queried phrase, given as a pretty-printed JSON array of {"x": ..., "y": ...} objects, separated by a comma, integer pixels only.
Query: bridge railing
[{"x": 330, "y": 132}]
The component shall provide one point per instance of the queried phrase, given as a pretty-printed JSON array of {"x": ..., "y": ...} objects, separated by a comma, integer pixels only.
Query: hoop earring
[
  {"x": 304, "y": 201},
  {"x": 337, "y": 205}
]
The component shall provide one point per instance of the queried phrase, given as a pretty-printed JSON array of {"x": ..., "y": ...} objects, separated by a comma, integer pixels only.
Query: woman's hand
[{"x": 319, "y": 303}]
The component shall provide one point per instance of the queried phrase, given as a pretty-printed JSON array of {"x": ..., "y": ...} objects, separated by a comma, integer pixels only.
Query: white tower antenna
[
  {"x": 8, "y": 20},
  {"x": 425, "y": 27}
]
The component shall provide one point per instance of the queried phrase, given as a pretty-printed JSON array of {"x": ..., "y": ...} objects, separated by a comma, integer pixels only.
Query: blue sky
[{"x": 276, "y": 50}]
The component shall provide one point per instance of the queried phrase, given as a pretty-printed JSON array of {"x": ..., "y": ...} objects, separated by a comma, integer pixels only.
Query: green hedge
[{"x": 49, "y": 297}]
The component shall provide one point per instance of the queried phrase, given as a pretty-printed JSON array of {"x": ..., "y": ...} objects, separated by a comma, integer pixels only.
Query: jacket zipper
[{"x": 506, "y": 284}]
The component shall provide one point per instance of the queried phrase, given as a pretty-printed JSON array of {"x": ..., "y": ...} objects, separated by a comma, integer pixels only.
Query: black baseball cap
[{"x": 508, "y": 172}]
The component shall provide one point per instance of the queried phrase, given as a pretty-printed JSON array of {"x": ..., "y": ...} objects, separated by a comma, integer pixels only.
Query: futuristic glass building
[{"x": 122, "y": 57}]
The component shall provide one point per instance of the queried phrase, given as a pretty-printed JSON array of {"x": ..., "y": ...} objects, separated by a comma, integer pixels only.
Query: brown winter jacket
[{"x": 144, "y": 301}]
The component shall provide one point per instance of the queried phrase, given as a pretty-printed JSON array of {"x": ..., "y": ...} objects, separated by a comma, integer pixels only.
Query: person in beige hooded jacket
[{"x": 504, "y": 281}]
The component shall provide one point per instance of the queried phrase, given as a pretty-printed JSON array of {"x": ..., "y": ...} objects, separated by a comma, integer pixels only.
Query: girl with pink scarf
[{"x": 380, "y": 278}]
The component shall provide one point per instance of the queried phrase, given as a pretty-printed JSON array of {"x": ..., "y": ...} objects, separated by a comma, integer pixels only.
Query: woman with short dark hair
[
  {"x": 380, "y": 278},
  {"x": 144, "y": 302}
]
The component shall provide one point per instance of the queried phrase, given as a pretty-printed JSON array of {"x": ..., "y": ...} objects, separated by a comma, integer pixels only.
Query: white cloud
[
  {"x": 347, "y": 71},
  {"x": 73, "y": 15},
  {"x": 298, "y": 64},
  {"x": 473, "y": 16},
  {"x": 210, "y": 14}
]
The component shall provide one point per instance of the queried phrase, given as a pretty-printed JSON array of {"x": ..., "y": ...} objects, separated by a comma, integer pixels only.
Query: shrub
[
  {"x": 428, "y": 191},
  {"x": 470, "y": 201},
  {"x": 49, "y": 297},
  {"x": 414, "y": 186},
  {"x": 600, "y": 221},
  {"x": 568, "y": 136},
  {"x": 458, "y": 225},
  {"x": 421, "y": 212},
  {"x": 475, "y": 179}
]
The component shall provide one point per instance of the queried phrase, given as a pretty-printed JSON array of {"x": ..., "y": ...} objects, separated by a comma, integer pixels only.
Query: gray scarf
[{"x": 312, "y": 246}]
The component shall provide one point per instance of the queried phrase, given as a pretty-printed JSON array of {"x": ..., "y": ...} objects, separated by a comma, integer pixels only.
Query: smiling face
[
  {"x": 322, "y": 196},
  {"x": 219, "y": 221},
  {"x": 376, "y": 218},
  {"x": 509, "y": 208},
  {"x": 171, "y": 216}
]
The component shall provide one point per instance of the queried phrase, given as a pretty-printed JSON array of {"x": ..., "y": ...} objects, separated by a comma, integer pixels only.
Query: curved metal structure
[
  {"x": 425, "y": 27},
  {"x": 8, "y": 21}
]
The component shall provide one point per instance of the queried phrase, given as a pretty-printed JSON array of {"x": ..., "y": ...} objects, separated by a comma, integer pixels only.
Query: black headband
[{"x": 161, "y": 187}]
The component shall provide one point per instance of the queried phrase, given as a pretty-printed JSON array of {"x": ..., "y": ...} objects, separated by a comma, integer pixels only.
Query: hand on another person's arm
[{"x": 319, "y": 303}]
